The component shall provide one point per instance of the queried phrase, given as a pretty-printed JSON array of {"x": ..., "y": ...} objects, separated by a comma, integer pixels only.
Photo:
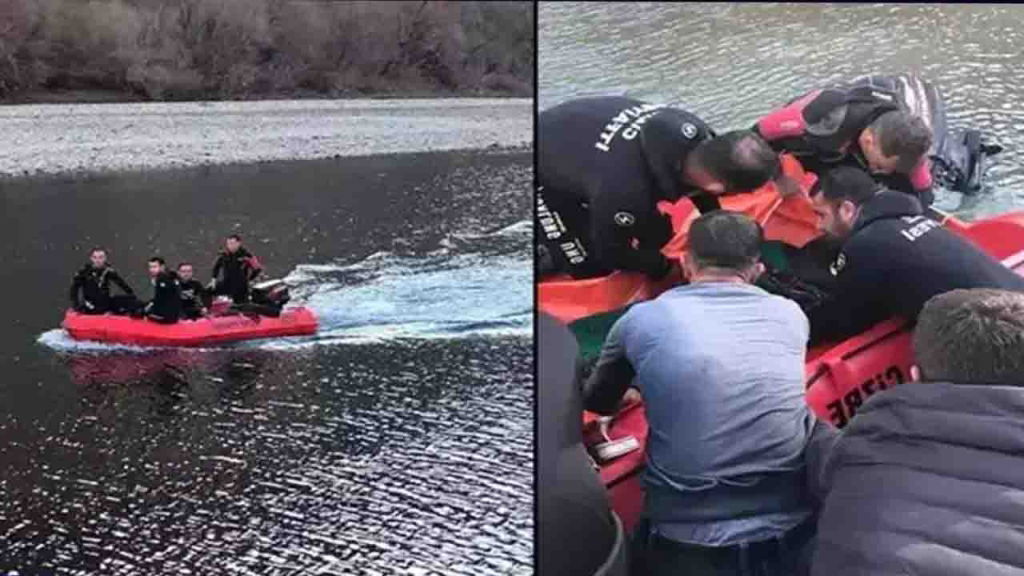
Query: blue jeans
[{"x": 786, "y": 555}]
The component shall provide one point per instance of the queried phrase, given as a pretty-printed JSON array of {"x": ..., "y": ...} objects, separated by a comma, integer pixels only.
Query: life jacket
[{"x": 824, "y": 121}]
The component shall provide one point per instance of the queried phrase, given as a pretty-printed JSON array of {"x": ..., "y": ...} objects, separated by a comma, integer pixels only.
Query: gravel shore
[{"x": 49, "y": 139}]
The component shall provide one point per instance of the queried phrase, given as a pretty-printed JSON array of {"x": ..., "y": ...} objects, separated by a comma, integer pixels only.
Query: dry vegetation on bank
[{"x": 242, "y": 49}]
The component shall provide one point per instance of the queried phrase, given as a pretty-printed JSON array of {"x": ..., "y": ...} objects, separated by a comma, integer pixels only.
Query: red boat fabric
[{"x": 202, "y": 332}]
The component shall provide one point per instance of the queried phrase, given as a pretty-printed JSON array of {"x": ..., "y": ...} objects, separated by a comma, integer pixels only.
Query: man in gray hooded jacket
[{"x": 929, "y": 476}]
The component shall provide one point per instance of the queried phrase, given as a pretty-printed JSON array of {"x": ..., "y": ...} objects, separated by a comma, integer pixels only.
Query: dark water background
[
  {"x": 733, "y": 62},
  {"x": 397, "y": 441}
]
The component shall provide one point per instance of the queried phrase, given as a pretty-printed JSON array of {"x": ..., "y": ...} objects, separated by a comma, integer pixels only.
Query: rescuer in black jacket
[
  {"x": 90, "y": 288},
  {"x": 604, "y": 164},
  {"x": 239, "y": 268},
  {"x": 165, "y": 307},
  {"x": 892, "y": 259},
  {"x": 195, "y": 299}
]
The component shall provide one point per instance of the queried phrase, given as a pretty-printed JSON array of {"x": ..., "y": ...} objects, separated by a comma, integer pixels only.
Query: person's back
[
  {"x": 720, "y": 366},
  {"x": 730, "y": 357},
  {"x": 928, "y": 478},
  {"x": 925, "y": 259}
]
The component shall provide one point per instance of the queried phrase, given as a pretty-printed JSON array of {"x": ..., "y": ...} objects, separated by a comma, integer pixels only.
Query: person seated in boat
[
  {"x": 865, "y": 123},
  {"x": 928, "y": 478},
  {"x": 578, "y": 534},
  {"x": 165, "y": 307},
  {"x": 234, "y": 270},
  {"x": 90, "y": 288},
  {"x": 195, "y": 300},
  {"x": 719, "y": 364},
  {"x": 605, "y": 163},
  {"x": 891, "y": 259}
]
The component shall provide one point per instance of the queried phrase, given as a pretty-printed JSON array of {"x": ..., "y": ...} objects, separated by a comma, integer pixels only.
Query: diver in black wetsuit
[
  {"x": 93, "y": 282},
  {"x": 577, "y": 533},
  {"x": 165, "y": 307},
  {"x": 892, "y": 126},
  {"x": 604, "y": 164},
  {"x": 195, "y": 299},
  {"x": 234, "y": 270}
]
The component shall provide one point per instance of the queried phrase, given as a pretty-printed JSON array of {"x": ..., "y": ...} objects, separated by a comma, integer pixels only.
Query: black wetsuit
[
  {"x": 165, "y": 307},
  {"x": 602, "y": 166},
  {"x": 194, "y": 298},
  {"x": 94, "y": 285},
  {"x": 239, "y": 269},
  {"x": 576, "y": 530},
  {"x": 821, "y": 128},
  {"x": 895, "y": 260}
]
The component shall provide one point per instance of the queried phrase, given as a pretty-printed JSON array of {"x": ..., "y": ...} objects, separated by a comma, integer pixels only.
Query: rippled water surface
[
  {"x": 732, "y": 62},
  {"x": 396, "y": 441}
]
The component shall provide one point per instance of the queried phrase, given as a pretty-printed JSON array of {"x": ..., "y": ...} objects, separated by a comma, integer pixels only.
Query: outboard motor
[
  {"x": 266, "y": 299},
  {"x": 960, "y": 165},
  {"x": 958, "y": 161},
  {"x": 275, "y": 295}
]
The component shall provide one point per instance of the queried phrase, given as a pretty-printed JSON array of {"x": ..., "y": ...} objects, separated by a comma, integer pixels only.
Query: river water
[
  {"x": 731, "y": 63},
  {"x": 396, "y": 441}
]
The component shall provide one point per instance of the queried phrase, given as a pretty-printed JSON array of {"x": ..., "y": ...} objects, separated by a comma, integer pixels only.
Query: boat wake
[{"x": 472, "y": 285}]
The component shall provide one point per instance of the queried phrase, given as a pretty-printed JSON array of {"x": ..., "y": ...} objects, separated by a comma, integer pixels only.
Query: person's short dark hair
[
  {"x": 234, "y": 237},
  {"x": 972, "y": 337},
  {"x": 182, "y": 264},
  {"x": 741, "y": 159},
  {"x": 904, "y": 135},
  {"x": 723, "y": 239},
  {"x": 96, "y": 249},
  {"x": 158, "y": 260},
  {"x": 848, "y": 183}
]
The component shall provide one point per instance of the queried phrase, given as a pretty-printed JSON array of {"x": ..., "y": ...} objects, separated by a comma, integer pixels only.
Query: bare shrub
[{"x": 202, "y": 49}]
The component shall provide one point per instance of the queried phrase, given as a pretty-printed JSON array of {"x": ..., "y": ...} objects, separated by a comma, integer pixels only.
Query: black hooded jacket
[
  {"x": 94, "y": 285},
  {"x": 166, "y": 303},
  {"x": 603, "y": 165},
  {"x": 895, "y": 260}
]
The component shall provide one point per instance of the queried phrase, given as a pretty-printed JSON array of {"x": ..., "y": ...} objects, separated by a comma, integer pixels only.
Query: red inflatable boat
[
  {"x": 839, "y": 376},
  {"x": 218, "y": 329}
]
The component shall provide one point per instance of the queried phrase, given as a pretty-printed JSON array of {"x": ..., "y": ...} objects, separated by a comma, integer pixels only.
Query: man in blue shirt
[{"x": 720, "y": 365}]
